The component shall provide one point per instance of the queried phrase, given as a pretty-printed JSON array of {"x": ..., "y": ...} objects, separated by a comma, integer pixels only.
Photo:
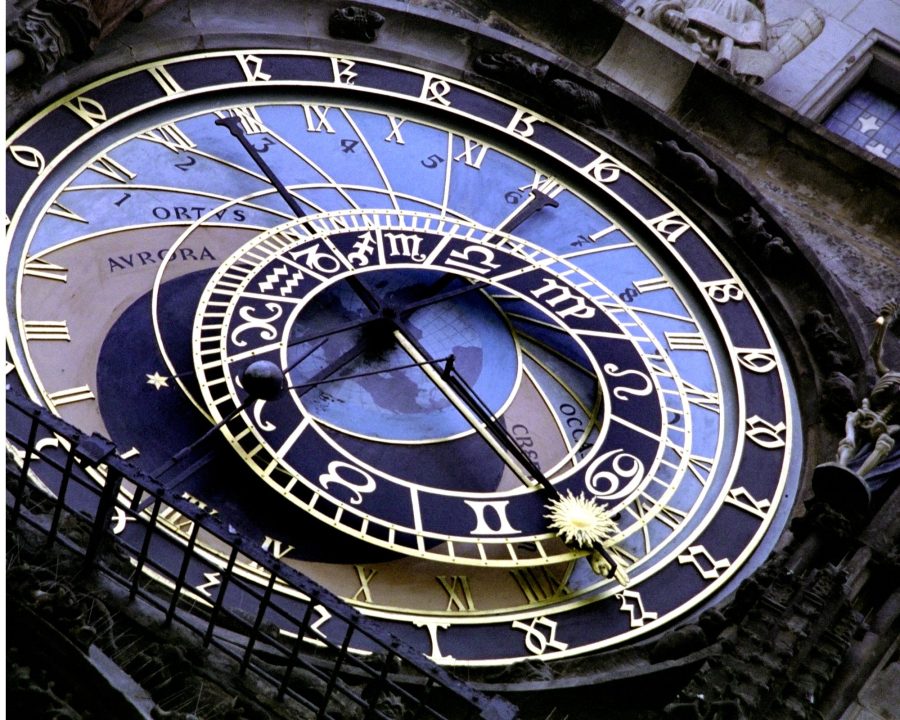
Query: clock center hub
[{"x": 360, "y": 381}]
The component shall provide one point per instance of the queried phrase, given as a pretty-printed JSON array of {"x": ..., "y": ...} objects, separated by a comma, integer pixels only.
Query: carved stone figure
[
  {"x": 577, "y": 100},
  {"x": 734, "y": 33},
  {"x": 47, "y": 35},
  {"x": 827, "y": 341},
  {"x": 525, "y": 74},
  {"x": 690, "y": 170},
  {"x": 511, "y": 69},
  {"x": 355, "y": 23},
  {"x": 52, "y": 32},
  {"x": 771, "y": 251},
  {"x": 867, "y": 456}
]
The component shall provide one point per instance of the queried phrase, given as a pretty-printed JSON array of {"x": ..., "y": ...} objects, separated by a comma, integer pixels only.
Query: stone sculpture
[{"x": 734, "y": 33}]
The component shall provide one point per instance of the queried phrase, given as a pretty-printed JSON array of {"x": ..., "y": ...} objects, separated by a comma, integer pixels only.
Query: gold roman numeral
[
  {"x": 685, "y": 341},
  {"x": 473, "y": 152},
  {"x": 249, "y": 117},
  {"x": 252, "y": 67},
  {"x": 539, "y": 584},
  {"x": 165, "y": 80},
  {"x": 170, "y": 136},
  {"x": 71, "y": 395},
  {"x": 39, "y": 268},
  {"x": 365, "y": 576},
  {"x": 343, "y": 71},
  {"x": 46, "y": 330},
  {"x": 60, "y": 210},
  {"x": 89, "y": 110},
  {"x": 317, "y": 118},
  {"x": 458, "y": 591},
  {"x": 113, "y": 169}
]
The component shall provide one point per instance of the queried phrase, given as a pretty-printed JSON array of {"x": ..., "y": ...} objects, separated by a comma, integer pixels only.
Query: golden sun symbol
[{"x": 580, "y": 521}]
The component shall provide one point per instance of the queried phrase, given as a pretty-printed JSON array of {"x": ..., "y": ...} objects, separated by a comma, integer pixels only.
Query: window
[
  {"x": 860, "y": 99},
  {"x": 869, "y": 116}
]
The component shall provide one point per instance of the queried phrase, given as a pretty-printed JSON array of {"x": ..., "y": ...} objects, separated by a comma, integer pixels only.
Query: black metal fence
[{"x": 267, "y": 623}]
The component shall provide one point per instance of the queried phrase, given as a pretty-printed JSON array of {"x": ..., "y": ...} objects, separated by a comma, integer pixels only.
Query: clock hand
[
  {"x": 478, "y": 414},
  {"x": 457, "y": 391},
  {"x": 536, "y": 202},
  {"x": 343, "y": 359},
  {"x": 233, "y": 123},
  {"x": 475, "y": 411}
]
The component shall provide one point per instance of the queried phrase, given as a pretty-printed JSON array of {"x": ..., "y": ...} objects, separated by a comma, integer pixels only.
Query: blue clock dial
[{"x": 473, "y": 309}]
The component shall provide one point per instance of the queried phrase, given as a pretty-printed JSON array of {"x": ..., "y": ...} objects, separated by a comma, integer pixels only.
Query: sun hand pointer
[{"x": 475, "y": 412}]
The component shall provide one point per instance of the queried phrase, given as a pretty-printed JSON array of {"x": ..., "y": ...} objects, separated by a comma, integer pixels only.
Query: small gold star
[{"x": 158, "y": 381}]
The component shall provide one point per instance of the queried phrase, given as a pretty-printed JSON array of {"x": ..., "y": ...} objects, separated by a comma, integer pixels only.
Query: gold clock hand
[
  {"x": 368, "y": 373},
  {"x": 473, "y": 409},
  {"x": 464, "y": 398},
  {"x": 344, "y": 359}
]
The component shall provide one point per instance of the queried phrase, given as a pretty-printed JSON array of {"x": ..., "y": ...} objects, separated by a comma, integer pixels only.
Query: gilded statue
[{"x": 868, "y": 456}]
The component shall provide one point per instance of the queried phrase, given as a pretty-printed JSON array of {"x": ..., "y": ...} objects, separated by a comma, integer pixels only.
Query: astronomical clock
[{"x": 460, "y": 360}]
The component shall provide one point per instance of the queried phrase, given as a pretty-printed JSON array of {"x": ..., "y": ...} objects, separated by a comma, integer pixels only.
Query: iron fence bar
[
  {"x": 426, "y": 691},
  {"x": 182, "y": 573},
  {"x": 378, "y": 686},
  {"x": 60, "y": 497},
  {"x": 257, "y": 623},
  {"x": 220, "y": 596},
  {"x": 145, "y": 548},
  {"x": 358, "y": 625},
  {"x": 295, "y": 649},
  {"x": 104, "y": 512},
  {"x": 136, "y": 497},
  {"x": 26, "y": 463},
  {"x": 332, "y": 680}
]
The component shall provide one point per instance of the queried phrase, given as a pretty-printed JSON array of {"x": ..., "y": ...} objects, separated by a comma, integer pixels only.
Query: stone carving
[
  {"x": 701, "y": 709},
  {"x": 511, "y": 69},
  {"x": 157, "y": 713},
  {"x": 30, "y": 694},
  {"x": 517, "y": 71},
  {"x": 734, "y": 33},
  {"x": 838, "y": 398},
  {"x": 828, "y": 344},
  {"x": 793, "y": 634},
  {"x": 52, "y": 32},
  {"x": 867, "y": 456},
  {"x": 691, "y": 170},
  {"x": 678, "y": 643},
  {"x": 83, "y": 618},
  {"x": 822, "y": 519},
  {"x": 353, "y": 22},
  {"x": 577, "y": 100},
  {"x": 772, "y": 251}
]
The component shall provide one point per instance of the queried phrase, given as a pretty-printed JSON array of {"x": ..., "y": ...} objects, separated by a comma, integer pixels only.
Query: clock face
[{"x": 466, "y": 309}]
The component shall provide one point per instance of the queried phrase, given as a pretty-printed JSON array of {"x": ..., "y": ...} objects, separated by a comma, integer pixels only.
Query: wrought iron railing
[{"x": 63, "y": 479}]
